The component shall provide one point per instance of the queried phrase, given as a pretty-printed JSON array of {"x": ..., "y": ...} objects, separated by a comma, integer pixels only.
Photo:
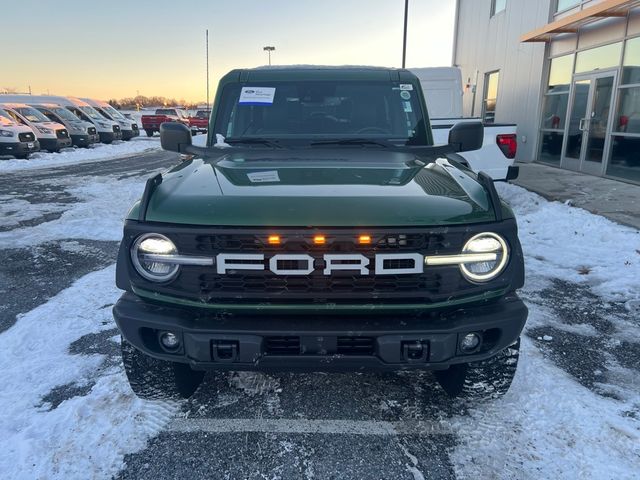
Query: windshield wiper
[
  {"x": 253, "y": 141},
  {"x": 356, "y": 141}
]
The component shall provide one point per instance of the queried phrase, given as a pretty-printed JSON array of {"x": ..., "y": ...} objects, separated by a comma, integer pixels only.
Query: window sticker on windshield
[
  {"x": 257, "y": 95},
  {"x": 407, "y": 107},
  {"x": 405, "y": 94},
  {"x": 264, "y": 177},
  {"x": 406, "y": 86}
]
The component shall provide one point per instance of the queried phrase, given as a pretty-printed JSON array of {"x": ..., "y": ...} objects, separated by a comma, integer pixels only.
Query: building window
[
  {"x": 599, "y": 58},
  {"x": 490, "y": 96},
  {"x": 625, "y": 141},
  {"x": 498, "y": 6},
  {"x": 554, "y": 109},
  {"x": 567, "y": 4}
]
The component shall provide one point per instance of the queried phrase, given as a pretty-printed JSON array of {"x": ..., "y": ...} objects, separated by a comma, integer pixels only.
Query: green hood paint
[{"x": 318, "y": 187}]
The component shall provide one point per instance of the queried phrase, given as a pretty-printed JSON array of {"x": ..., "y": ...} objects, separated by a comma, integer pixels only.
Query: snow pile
[
  {"x": 547, "y": 426},
  {"x": 82, "y": 155},
  {"x": 104, "y": 203},
  {"x": 85, "y": 436},
  {"x": 574, "y": 245}
]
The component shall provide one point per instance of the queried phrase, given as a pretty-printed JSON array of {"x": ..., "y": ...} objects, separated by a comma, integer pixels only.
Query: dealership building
[{"x": 566, "y": 71}]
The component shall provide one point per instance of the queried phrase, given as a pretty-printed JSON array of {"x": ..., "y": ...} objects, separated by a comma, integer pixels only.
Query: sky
[{"x": 121, "y": 48}]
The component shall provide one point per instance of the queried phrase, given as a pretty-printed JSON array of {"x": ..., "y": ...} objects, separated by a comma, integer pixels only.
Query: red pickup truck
[
  {"x": 199, "y": 123},
  {"x": 151, "y": 123}
]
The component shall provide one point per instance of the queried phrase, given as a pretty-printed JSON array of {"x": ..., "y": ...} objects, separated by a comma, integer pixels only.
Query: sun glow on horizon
[{"x": 139, "y": 49}]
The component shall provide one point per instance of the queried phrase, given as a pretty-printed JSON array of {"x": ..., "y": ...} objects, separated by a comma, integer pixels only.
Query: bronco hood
[{"x": 317, "y": 187}]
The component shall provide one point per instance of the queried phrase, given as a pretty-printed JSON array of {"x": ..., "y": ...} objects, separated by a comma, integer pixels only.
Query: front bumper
[
  {"x": 54, "y": 144},
  {"x": 109, "y": 137},
  {"x": 85, "y": 139},
  {"x": 129, "y": 134},
  {"x": 19, "y": 148},
  {"x": 320, "y": 342}
]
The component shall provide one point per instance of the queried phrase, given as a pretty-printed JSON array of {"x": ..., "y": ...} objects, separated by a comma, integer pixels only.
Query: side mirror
[
  {"x": 512, "y": 172},
  {"x": 466, "y": 136},
  {"x": 175, "y": 137}
]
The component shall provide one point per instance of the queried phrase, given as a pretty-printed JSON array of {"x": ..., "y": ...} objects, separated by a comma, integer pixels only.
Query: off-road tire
[
  {"x": 485, "y": 380},
  {"x": 149, "y": 133},
  {"x": 154, "y": 379}
]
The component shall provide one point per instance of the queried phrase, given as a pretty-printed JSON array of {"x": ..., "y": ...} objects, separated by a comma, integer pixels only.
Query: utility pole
[
  {"x": 207, "y": 48},
  {"x": 404, "y": 38},
  {"x": 269, "y": 50}
]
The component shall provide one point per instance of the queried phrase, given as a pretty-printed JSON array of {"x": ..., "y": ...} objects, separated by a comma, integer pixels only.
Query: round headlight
[
  {"x": 147, "y": 253},
  {"x": 493, "y": 252}
]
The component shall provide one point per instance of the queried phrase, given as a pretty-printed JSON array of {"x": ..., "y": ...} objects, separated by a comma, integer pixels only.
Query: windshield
[
  {"x": 65, "y": 114},
  {"x": 166, "y": 111},
  {"x": 5, "y": 118},
  {"x": 91, "y": 112},
  {"x": 32, "y": 114},
  {"x": 202, "y": 114},
  {"x": 103, "y": 113},
  {"x": 323, "y": 109},
  {"x": 113, "y": 113}
]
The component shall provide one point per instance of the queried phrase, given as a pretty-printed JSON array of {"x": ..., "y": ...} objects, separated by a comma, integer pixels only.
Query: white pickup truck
[{"x": 442, "y": 87}]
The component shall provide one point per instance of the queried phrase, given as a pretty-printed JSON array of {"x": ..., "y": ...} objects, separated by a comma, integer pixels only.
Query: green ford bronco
[{"x": 320, "y": 229}]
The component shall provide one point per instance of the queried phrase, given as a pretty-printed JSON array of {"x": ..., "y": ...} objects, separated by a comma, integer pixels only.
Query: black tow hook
[{"x": 225, "y": 351}]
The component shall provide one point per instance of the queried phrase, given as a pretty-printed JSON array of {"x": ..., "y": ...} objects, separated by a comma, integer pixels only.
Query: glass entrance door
[{"x": 586, "y": 139}]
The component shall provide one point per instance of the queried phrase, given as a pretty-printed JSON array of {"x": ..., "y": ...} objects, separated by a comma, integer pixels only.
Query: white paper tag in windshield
[
  {"x": 406, "y": 86},
  {"x": 264, "y": 177},
  {"x": 257, "y": 95}
]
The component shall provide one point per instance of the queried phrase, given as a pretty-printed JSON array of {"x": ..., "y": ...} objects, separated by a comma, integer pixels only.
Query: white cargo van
[
  {"x": 442, "y": 88},
  {"x": 129, "y": 127},
  {"x": 83, "y": 134},
  {"x": 52, "y": 136},
  {"x": 15, "y": 139},
  {"x": 107, "y": 129}
]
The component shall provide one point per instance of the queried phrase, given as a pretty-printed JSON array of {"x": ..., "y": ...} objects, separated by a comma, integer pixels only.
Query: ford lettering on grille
[{"x": 303, "y": 264}]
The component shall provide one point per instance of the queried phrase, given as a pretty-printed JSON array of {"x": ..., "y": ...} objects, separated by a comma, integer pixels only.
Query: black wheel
[
  {"x": 485, "y": 380},
  {"x": 149, "y": 133},
  {"x": 154, "y": 379}
]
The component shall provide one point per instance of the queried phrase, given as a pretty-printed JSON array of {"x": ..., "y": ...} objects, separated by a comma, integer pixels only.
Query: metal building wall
[{"x": 484, "y": 44}]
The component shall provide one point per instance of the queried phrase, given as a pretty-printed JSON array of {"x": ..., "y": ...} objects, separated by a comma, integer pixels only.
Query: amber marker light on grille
[
  {"x": 319, "y": 240},
  {"x": 274, "y": 240},
  {"x": 364, "y": 240}
]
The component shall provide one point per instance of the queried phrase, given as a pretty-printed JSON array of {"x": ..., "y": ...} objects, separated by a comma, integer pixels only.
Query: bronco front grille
[
  {"x": 26, "y": 137},
  {"x": 434, "y": 284}
]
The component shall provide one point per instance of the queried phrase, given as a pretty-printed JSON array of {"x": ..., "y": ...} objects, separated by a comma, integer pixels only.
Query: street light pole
[
  {"x": 207, "y": 49},
  {"x": 404, "y": 38},
  {"x": 269, "y": 50}
]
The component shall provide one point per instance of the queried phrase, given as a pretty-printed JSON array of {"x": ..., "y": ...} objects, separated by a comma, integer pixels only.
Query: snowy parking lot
[{"x": 67, "y": 412}]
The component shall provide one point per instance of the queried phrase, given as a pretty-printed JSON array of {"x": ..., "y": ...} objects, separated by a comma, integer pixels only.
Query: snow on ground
[
  {"x": 572, "y": 244},
  {"x": 85, "y": 436},
  {"x": 98, "y": 152},
  {"x": 15, "y": 210},
  {"x": 548, "y": 425},
  {"x": 105, "y": 198}
]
